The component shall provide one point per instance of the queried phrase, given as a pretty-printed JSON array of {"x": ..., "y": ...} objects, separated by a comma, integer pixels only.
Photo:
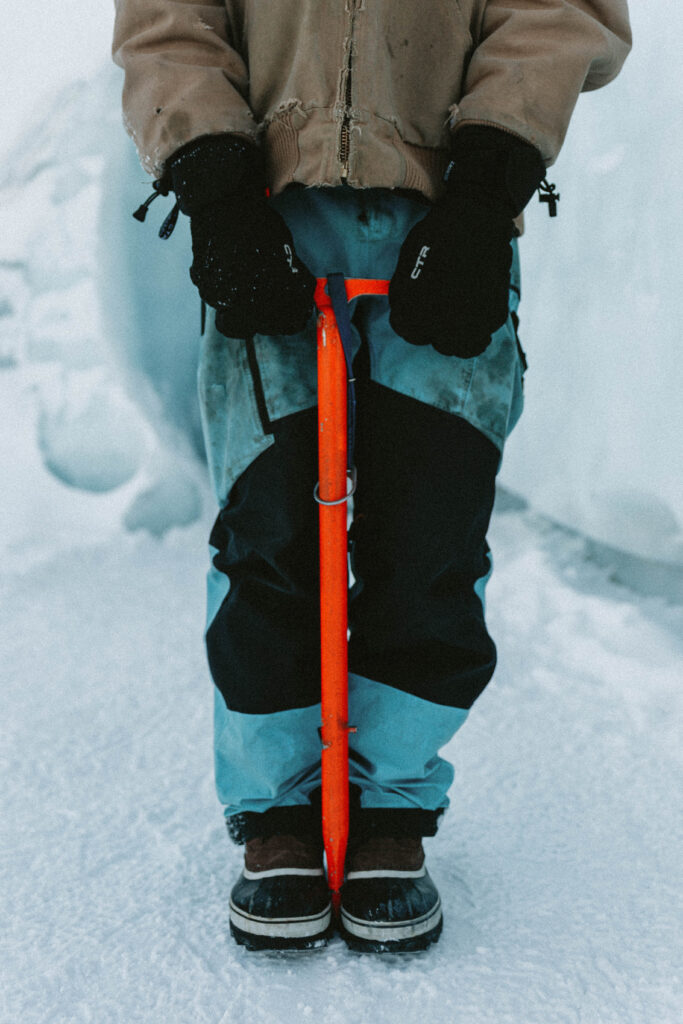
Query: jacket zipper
[{"x": 345, "y": 133}]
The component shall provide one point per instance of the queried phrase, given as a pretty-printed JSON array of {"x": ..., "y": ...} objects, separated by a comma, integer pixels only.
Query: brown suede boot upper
[
  {"x": 282, "y": 852},
  {"x": 388, "y": 853}
]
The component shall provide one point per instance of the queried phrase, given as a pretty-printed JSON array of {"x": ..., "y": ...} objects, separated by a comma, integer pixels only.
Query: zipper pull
[
  {"x": 547, "y": 194},
  {"x": 161, "y": 188},
  {"x": 141, "y": 211},
  {"x": 166, "y": 229}
]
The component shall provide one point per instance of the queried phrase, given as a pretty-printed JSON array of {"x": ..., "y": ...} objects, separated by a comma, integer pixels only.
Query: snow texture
[{"x": 560, "y": 861}]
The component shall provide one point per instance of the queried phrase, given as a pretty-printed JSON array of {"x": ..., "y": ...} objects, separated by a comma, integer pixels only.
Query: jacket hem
[{"x": 301, "y": 147}]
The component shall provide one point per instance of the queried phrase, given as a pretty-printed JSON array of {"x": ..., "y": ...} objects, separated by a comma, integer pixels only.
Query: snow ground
[{"x": 559, "y": 862}]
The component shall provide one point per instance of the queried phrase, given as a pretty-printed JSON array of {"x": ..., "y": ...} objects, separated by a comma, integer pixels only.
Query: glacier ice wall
[{"x": 600, "y": 445}]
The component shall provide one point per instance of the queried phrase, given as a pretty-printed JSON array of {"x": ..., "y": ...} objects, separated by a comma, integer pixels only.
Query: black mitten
[
  {"x": 450, "y": 286},
  {"x": 244, "y": 261}
]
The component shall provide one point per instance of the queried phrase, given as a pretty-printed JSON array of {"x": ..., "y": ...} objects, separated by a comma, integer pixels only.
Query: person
[{"x": 378, "y": 139}]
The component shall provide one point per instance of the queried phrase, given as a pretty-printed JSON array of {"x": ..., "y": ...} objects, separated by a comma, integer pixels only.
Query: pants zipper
[{"x": 259, "y": 393}]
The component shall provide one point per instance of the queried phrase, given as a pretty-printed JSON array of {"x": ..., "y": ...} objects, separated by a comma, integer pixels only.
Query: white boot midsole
[
  {"x": 391, "y": 931},
  {"x": 281, "y": 928},
  {"x": 256, "y": 876},
  {"x": 385, "y": 873}
]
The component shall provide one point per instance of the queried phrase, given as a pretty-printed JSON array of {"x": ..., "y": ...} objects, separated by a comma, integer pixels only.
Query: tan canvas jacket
[{"x": 365, "y": 91}]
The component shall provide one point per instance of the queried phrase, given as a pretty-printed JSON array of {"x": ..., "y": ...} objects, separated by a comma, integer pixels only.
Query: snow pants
[{"x": 430, "y": 432}]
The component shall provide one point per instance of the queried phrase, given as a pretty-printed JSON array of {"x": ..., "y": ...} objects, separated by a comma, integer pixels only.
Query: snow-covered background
[{"x": 560, "y": 863}]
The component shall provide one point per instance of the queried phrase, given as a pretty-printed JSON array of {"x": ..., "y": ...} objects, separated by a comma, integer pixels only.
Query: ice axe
[{"x": 336, "y": 426}]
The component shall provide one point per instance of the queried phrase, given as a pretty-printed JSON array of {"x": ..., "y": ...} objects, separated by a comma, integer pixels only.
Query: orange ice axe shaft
[{"x": 332, "y": 495}]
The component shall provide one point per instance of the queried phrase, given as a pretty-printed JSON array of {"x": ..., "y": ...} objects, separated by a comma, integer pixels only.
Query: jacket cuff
[
  {"x": 213, "y": 168},
  {"x": 501, "y": 168}
]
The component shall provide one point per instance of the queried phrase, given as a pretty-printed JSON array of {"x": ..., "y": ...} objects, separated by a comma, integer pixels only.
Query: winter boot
[
  {"x": 281, "y": 899},
  {"x": 389, "y": 902}
]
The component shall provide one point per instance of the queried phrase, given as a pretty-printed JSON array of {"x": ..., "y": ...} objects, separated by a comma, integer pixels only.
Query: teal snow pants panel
[{"x": 431, "y": 430}]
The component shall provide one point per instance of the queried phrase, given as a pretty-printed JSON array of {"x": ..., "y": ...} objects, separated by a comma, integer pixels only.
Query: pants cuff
[
  {"x": 393, "y": 821},
  {"x": 295, "y": 820},
  {"x": 305, "y": 820}
]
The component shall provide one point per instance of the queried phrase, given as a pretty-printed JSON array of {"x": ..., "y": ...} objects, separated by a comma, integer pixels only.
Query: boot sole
[
  {"x": 265, "y": 943},
  {"x": 258, "y": 933},
  {"x": 389, "y": 937}
]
